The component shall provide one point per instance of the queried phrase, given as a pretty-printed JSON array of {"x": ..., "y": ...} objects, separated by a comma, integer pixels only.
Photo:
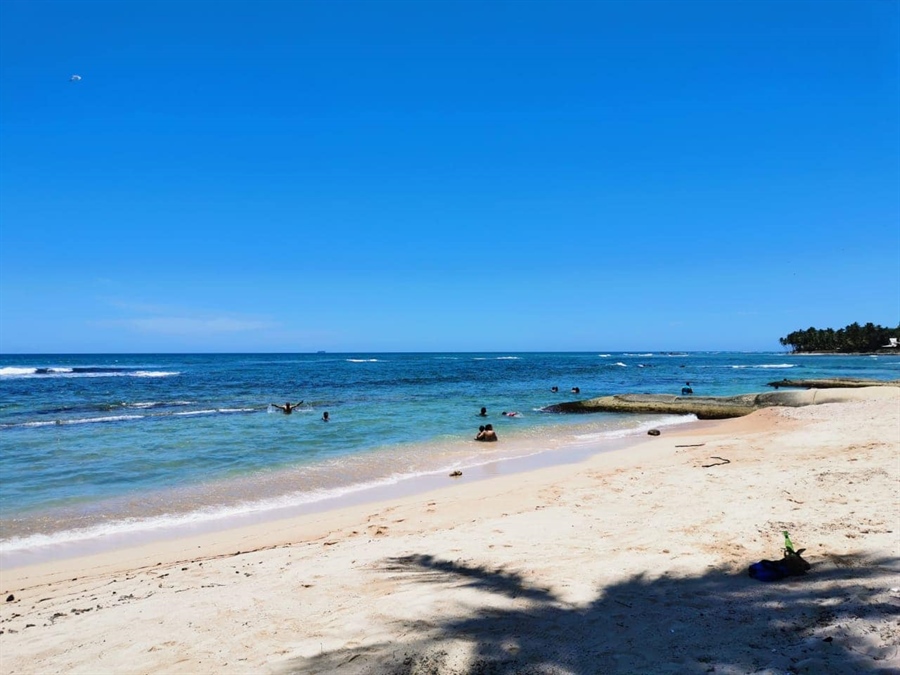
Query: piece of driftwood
[
  {"x": 691, "y": 445},
  {"x": 724, "y": 461}
]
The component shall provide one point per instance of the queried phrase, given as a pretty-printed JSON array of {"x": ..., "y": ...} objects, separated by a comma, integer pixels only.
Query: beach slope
[{"x": 632, "y": 561}]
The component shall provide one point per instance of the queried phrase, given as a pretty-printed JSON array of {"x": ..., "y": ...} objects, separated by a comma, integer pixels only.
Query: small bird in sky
[{"x": 75, "y": 78}]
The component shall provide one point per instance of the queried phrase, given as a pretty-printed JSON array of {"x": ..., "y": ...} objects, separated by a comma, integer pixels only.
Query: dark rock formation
[{"x": 834, "y": 383}]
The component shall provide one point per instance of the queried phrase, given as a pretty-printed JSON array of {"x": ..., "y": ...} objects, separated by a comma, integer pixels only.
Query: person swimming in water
[
  {"x": 287, "y": 408},
  {"x": 483, "y": 412},
  {"x": 325, "y": 417}
]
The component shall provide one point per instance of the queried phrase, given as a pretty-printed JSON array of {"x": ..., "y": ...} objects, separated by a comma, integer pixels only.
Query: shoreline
[
  {"x": 82, "y": 545},
  {"x": 632, "y": 560}
]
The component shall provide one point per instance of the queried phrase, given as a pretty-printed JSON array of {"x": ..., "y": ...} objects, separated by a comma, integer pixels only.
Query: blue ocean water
[{"x": 93, "y": 445}]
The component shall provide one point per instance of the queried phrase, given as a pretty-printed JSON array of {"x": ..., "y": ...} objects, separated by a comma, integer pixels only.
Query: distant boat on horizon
[{"x": 321, "y": 351}]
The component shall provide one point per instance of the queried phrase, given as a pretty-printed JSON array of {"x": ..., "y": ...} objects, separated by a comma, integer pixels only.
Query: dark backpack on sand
[{"x": 791, "y": 565}]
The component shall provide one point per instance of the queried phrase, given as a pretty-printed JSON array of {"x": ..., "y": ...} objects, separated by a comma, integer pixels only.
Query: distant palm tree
[{"x": 853, "y": 339}]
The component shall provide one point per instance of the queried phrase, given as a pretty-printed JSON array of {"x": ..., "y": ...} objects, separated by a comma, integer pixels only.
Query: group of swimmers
[
  {"x": 288, "y": 408},
  {"x": 485, "y": 432}
]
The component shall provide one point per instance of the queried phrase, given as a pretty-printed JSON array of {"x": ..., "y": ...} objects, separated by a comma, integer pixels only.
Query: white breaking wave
[
  {"x": 84, "y": 420},
  {"x": 92, "y": 420},
  {"x": 666, "y": 421},
  {"x": 766, "y": 365},
  {"x": 126, "y": 418},
  {"x": 362, "y": 360},
  {"x": 10, "y": 371},
  {"x": 13, "y": 372},
  {"x": 211, "y": 411},
  {"x": 19, "y": 371},
  {"x": 156, "y": 404}
]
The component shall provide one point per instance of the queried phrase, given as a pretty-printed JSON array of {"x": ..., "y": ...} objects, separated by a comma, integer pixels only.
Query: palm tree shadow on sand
[{"x": 841, "y": 618}]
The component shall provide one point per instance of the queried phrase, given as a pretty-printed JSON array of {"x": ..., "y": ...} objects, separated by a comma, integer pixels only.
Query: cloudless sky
[{"x": 443, "y": 176}]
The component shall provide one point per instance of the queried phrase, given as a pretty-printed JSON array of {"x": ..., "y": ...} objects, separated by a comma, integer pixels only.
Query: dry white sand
[{"x": 631, "y": 562}]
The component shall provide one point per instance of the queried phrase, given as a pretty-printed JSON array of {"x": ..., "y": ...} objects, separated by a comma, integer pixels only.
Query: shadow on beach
[{"x": 841, "y": 618}]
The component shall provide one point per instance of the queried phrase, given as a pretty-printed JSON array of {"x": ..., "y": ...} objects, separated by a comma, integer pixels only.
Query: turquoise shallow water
[{"x": 100, "y": 444}]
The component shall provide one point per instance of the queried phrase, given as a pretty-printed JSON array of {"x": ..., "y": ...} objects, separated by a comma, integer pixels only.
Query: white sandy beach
[{"x": 631, "y": 562}]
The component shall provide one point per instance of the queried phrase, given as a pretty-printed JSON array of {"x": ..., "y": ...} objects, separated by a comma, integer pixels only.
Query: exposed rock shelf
[
  {"x": 834, "y": 383},
  {"x": 711, "y": 407}
]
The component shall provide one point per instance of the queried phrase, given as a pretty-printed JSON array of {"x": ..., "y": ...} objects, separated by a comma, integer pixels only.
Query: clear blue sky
[{"x": 430, "y": 176}]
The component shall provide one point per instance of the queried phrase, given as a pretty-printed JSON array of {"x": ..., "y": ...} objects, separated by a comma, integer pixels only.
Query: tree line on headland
[{"x": 848, "y": 340}]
